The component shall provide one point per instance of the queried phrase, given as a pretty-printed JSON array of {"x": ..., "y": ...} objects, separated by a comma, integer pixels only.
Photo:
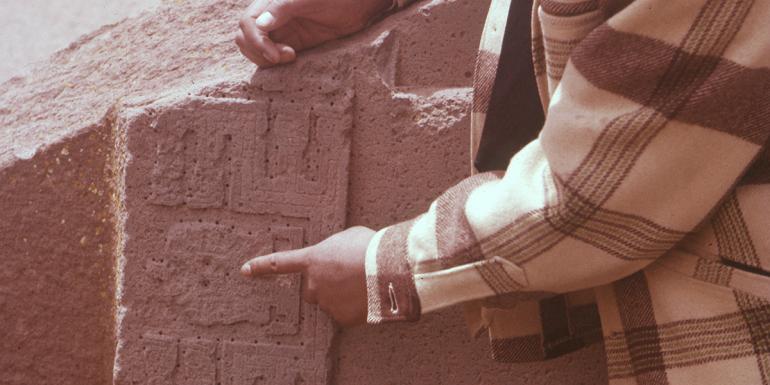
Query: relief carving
[{"x": 227, "y": 180}]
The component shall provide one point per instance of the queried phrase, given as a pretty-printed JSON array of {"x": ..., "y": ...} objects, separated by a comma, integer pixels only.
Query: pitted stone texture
[
  {"x": 183, "y": 44},
  {"x": 56, "y": 264},
  {"x": 406, "y": 84},
  {"x": 211, "y": 182}
]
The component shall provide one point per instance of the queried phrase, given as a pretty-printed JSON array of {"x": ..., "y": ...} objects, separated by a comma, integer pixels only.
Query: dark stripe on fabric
[
  {"x": 683, "y": 343},
  {"x": 491, "y": 279},
  {"x": 538, "y": 56},
  {"x": 732, "y": 234},
  {"x": 713, "y": 272},
  {"x": 734, "y": 243},
  {"x": 619, "y": 145},
  {"x": 517, "y": 349},
  {"x": 557, "y": 53},
  {"x": 558, "y": 8},
  {"x": 498, "y": 270},
  {"x": 396, "y": 288},
  {"x": 636, "y": 311},
  {"x": 557, "y": 335},
  {"x": 455, "y": 239},
  {"x": 733, "y": 99},
  {"x": 585, "y": 322},
  {"x": 484, "y": 80},
  {"x": 496, "y": 277},
  {"x": 622, "y": 235},
  {"x": 514, "y": 116},
  {"x": 756, "y": 313}
]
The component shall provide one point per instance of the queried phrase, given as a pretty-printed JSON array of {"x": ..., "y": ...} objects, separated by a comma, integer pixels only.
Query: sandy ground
[{"x": 31, "y": 30}]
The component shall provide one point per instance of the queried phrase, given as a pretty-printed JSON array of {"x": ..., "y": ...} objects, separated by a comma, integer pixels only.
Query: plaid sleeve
[{"x": 655, "y": 117}]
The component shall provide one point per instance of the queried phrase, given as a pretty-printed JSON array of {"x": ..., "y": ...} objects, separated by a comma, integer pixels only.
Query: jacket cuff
[{"x": 390, "y": 288}]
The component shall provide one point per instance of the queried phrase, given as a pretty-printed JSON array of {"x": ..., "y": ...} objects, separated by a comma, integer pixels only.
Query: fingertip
[
  {"x": 246, "y": 269},
  {"x": 287, "y": 53}
]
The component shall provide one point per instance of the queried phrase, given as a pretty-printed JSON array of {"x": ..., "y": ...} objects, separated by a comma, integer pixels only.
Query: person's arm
[
  {"x": 645, "y": 135},
  {"x": 273, "y": 31},
  {"x": 658, "y": 114}
]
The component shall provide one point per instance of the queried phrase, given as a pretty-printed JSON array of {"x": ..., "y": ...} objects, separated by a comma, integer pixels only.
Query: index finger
[{"x": 282, "y": 262}]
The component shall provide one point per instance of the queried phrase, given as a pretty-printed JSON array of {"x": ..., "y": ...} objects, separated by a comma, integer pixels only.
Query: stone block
[
  {"x": 210, "y": 182},
  {"x": 216, "y": 163},
  {"x": 57, "y": 247}
]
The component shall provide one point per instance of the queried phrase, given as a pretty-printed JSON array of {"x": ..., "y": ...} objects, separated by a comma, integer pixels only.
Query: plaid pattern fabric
[{"x": 640, "y": 215}]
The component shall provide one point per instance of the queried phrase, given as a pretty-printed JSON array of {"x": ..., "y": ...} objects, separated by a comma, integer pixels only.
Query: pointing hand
[{"x": 332, "y": 271}]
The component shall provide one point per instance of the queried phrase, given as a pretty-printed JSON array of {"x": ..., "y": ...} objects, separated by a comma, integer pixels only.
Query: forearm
[{"x": 628, "y": 162}]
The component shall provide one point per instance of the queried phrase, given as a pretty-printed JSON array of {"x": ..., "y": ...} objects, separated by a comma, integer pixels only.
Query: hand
[
  {"x": 272, "y": 31},
  {"x": 333, "y": 273}
]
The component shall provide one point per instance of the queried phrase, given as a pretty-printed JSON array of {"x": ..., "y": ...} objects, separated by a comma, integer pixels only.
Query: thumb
[{"x": 276, "y": 15}]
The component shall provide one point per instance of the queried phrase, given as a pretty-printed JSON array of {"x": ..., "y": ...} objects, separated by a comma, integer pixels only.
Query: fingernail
[
  {"x": 265, "y": 20},
  {"x": 246, "y": 269}
]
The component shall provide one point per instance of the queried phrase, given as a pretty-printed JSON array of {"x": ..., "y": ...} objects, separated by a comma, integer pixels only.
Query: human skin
[
  {"x": 333, "y": 274},
  {"x": 273, "y": 31}
]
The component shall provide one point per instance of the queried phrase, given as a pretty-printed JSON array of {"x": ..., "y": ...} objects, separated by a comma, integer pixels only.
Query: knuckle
[{"x": 273, "y": 261}]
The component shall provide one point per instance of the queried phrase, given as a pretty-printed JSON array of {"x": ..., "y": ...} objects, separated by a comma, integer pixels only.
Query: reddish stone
[
  {"x": 219, "y": 163},
  {"x": 57, "y": 247}
]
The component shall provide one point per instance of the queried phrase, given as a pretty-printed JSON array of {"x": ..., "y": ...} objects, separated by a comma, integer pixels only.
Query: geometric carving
[
  {"x": 243, "y": 365},
  {"x": 197, "y": 362},
  {"x": 210, "y": 183},
  {"x": 160, "y": 357}
]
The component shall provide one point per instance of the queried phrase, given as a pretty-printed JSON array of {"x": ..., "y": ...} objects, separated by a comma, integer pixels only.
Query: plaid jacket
[{"x": 639, "y": 216}]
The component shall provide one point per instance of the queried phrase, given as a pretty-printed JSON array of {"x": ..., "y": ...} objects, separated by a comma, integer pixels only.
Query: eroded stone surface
[
  {"x": 211, "y": 182},
  {"x": 56, "y": 264},
  {"x": 200, "y": 198}
]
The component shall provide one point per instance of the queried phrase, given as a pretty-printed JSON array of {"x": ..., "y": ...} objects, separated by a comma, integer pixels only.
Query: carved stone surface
[
  {"x": 210, "y": 183},
  {"x": 411, "y": 73}
]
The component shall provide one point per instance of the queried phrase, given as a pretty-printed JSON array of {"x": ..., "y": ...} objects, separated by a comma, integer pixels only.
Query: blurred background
[{"x": 31, "y": 30}]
